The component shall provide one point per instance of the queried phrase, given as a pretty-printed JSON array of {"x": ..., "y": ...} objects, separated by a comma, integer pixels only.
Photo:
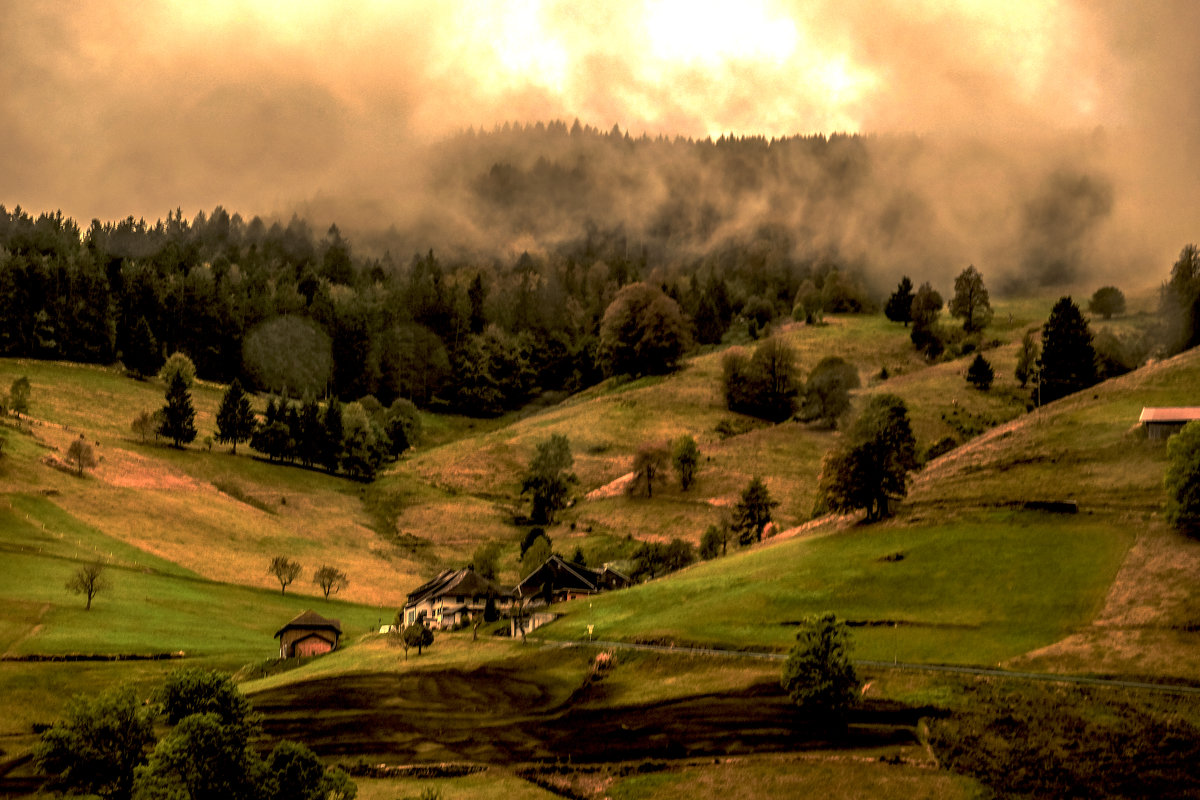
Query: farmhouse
[
  {"x": 557, "y": 580},
  {"x": 452, "y": 598},
  {"x": 1161, "y": 423},
  {"x": 309, "y": 634}
]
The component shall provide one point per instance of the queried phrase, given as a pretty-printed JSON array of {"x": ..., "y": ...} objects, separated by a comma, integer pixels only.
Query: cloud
[{"x": 265, "y": 107}]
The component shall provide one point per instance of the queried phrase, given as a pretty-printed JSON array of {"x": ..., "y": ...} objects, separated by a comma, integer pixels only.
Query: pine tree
[
  {"x": 143, "y": 356},
  {"x": 980, "y": 374},
  {"x": 331, "y": 443},
  {"x": 752, "y": 512},
  {"x": 1068, "y": 358},
  {"x": 178, "y": 415},
  {"x": 899, "y": 305},
  {"x": 235, "y": 417}
]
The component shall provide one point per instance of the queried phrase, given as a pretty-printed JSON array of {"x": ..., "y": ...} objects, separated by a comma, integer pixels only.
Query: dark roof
[
  {"x": 311, "y": 620},
  {"x": 1170, "y": 414},
  {"x": 464, "y": 582},
  {"x": 560, "y": 574}
]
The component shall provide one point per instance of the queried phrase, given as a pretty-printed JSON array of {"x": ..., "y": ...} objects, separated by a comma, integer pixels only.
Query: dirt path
[{"x": 37, "y": 627}]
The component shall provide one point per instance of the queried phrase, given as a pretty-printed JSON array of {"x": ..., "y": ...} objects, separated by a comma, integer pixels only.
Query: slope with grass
[{"x": 963, "y": 574}]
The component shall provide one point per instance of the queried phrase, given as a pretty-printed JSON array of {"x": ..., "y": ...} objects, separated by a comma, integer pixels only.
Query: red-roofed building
[
  {"x": 1161, "y": 423},
  {"x": 309, "y": 634}
]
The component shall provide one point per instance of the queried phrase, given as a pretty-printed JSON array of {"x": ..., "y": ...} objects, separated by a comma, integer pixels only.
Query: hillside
[{"x": 980, "y": 579}]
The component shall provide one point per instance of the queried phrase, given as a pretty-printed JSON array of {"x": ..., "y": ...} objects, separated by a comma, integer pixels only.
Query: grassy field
[{"x": 980, "y": 590}]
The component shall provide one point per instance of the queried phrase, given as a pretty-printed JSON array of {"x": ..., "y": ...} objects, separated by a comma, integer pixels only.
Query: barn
[
  {"x": 1161, "y": 423},
  {"x": 309, "y": 634}
]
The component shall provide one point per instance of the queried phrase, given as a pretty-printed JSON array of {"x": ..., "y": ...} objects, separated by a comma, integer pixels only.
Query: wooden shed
[
  {"x": 309, "y": 634},
  {"x": 1160, "y": 423}
]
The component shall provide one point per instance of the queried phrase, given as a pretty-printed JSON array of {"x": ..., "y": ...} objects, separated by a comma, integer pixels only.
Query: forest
[{"x": 479, "y": 324}]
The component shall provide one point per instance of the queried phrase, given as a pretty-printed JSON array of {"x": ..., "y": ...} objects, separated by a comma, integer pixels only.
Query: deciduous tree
[
  {"x": 970, "y": 301},
  {"x": 818, "y": 674},
  {"x": 686, "y": 457},
  {"x": 417, "y": 635},
  {"x": 827, "y": 392},
  {"x": 81, "y": 454},
  {"x": 285, "y": 571},
  {"x": 331, "y": 579},
  {"x": 549, "y": 478},
  {"x": 1027, "y": 358},
  {"x": 1183, "y": 479},
  {"x": 96, "y": 748},
  {"x": 870, "y": 469},
  {"x": 649, "y": 463},
  {"x": 1107, "y": 301},
  {"x": 88, "y": 580},
  {"x": 642, "y": 333},
  {"x": 178, "y": 364},
  {"x": 18, "y": 396}
]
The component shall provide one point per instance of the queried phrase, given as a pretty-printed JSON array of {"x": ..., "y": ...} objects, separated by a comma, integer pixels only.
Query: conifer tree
[
  {"x": 178, "y": 416},
  {"x": 980, "y": 374},
  {"x": 235, "y": 417},
  {"x": 899, "y": 305},
  {"x": 331, "y": 443},
  {"x": 1068, "y": 358}
]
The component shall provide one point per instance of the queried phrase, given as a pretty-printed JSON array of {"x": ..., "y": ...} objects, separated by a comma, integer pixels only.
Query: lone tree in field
[
  {"x": 418, "y": 636},
  {"x": 1027, "y": 358},
  {"x": 81, "y": 454},
  {"x": 643, "y": 332},
  {"x": 649, "y": 464},
  {"x": 1183, "y": 479},
  {"x": 1068, "y": 358},
  {"x": 235, "y": 418},
  {"x": 818, "y": 674},
  {"x": 330, "y": 579},
  {"x": 178, "y": 416},
  {"x": 1106, "y": 301},
  {"x": 870, "y": 469},
  {"x": 18, "y": 396},
  {"x": 899, "y": 305},
  {"x": 285, "y": 571},
  {"x": 96, "y": 747},
  {"x": 715, "y": 541},
  {"x": 549, "y": 479},
  {"x": 970, "y": 301},
  {"x": 686, "y": 457},
  {"x": 88, "y": 580},
  {"x": 980, "y": 374},
  {"x": 752, "y": 512}
]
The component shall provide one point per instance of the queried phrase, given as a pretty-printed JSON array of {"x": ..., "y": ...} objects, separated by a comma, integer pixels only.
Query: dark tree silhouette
[
  {"x": 686, "y": 457},
  {"x": 980, "y": 374},
  {"x": 818, "y": 674},
  {"x": 1068, "y": 358},
  {"x": 285, "y": 571},
  {"x": 752, "y": 512},
  {"x": 88, "y": 580},
  {"x": 899, "y": 304},
  {"x": 1107, "y": 301},
  {"x": 235, "y": 417},
  {"x": 549, "y": 478},
  {"x": 178, "y": 416}
]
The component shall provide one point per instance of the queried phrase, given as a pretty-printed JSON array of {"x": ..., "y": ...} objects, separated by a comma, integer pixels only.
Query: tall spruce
[
  {"x": 235, "y": 417},
  {"x": 899, "y": 305},
  {"x": 331, "y": 443},
  {"x": 178, "y": 416},
  {"x": 1068, "y": 358}
]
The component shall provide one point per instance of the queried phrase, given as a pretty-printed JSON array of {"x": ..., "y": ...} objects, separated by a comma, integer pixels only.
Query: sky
[{"x": 112, "y": 109}]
